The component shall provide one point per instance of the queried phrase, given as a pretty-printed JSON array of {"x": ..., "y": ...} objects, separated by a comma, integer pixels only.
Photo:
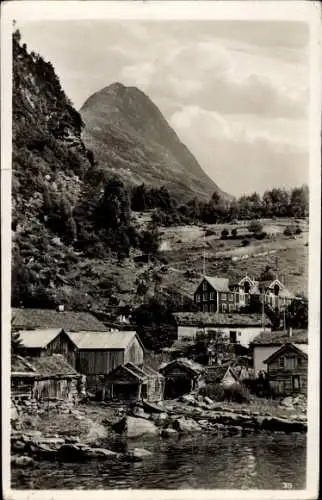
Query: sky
[{"x": 235, "y": 92}]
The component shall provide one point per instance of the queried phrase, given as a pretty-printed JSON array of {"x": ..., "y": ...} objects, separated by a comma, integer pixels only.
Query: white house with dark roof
[{"x": 236, "y": 328}]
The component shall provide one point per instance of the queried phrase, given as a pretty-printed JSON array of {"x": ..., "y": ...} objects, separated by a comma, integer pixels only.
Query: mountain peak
[{"x": 129, "y": 135}]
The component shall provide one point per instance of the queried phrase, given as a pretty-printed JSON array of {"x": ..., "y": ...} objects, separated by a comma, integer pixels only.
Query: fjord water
[{"x": 260, "y": 461}]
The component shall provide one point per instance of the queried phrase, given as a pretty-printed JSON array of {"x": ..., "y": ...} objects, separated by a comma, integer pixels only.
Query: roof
[
  {"x": 103, "y": 340},
  {"x": 285, "y": 347},
  {"x": 141, "y": 374},
  {"x": 219, "y": 284},
  {"x": 52, "y": 366},
  {"x": 280, "y": 338},
  {"x": 186, "y": 363},
  {"x": 219, "y": 319},
  {"x": 21, "y": 367},
  {"x": 50, "y": 318},
  {"x": 38, "y": 338},
  {"x": 216, "y": 373}
]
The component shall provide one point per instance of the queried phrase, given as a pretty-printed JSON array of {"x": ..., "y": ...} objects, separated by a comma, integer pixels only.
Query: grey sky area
[{"x": 236, "y": 93}]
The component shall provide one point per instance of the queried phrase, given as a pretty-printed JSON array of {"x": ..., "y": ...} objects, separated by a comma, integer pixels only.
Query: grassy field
[{"x": 188, "y": 247}]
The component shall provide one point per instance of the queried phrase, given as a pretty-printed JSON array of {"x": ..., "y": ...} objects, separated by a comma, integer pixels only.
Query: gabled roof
[
  {"x": 134, "y": 371},
  {"x": 216, "y": 373},
  {"x": 280, "y": 337},
  {"x": 219, "y": 319},
  {"x": 38, "y": 338},
  {"x": 52, "y": 366},
  {"x": 21, "y": 367},
  {"x": 186, "y": 363},
  {"x": 103, "y": 340},
  {"x": 50, "y": 319},
  {"x": 219, "y": 284},
  {"x": 284, "y": 348}
]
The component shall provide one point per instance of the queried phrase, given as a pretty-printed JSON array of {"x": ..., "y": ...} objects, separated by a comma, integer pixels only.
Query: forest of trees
[{"x": 274, "y": 203}]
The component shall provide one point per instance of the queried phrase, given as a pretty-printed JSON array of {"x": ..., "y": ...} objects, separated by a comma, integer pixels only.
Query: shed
[
  {"x": 44, "y": 342},
  {"x": 23, "y": 376},
  {"x": 181, "y": 377},
  {"x": 98, "y": 353},
  {"x": 287, "y": 370},
  {"x": 131, "y": 383},
  {"x": 56, "y": 379}
]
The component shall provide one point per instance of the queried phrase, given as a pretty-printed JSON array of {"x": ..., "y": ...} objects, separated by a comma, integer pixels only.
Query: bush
[
  {"x": 288, "y": 231},
  {"x": 234, "y": 232},
  {"x": 224, "y": 234},
  {"x": 213, "y": 391},
  {"x": 298, "y": 230},
  {"x": 245, "y": 243},
  {"x": 261, "y": 236},
  {"x": 255, "y": 227},
  {"x": 237, "y": 393}
]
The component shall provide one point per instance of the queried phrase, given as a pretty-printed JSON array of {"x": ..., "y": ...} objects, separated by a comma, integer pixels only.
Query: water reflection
[{"x": 257, "y": 461}]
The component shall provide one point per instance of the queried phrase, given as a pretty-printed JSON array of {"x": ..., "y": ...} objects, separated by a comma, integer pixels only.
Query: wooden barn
[
  {"x": 56, "y": 379},
  {"x": 23, "y": 376},
  {"x": 47, "y": 342},
  {"x": 98, "y": 353},
  {"x": 182, "y": 376},
  {"x": 287, "y": 370},
  {"x": 130, "y": 383}
]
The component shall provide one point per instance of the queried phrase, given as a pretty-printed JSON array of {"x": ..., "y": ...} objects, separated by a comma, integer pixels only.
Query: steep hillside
[{"x": 130, "y": 137}]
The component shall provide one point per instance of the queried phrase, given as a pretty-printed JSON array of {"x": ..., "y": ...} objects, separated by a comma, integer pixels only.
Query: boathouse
[
  {"x": 130, "y": 383},
  {"x": 182, "y": 376}
]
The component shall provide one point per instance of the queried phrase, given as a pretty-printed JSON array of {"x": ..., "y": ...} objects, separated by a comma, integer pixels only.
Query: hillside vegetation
[{"x": 84, "y": 237}]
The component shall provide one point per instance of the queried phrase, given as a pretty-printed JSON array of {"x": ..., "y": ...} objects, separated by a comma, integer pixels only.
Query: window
[
  {"x": 281, "y": 362},
  {"x": 290, "y": 362},
  {"x": 204, "y": 285},
  {"x": 198, "y": 297},
  {"x": 205, "y": 297},
  {"x": 231, "y": 307},
  {"x": 239, "y": 334},
  {"x": 231, "y": 297},
  {"x": 223, "y": 308},
  {"x": 296, "y": 382},
  {"x": 211, "y": 308},
  {"x": 232, "y": 337},
  {"x": 211, "y": 295},
  {"x": 276, "y": 289},
  {"x": 224, "y": 296}
]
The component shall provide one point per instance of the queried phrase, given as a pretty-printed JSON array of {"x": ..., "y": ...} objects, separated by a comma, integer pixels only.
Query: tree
[
  {"x": 255, "y": 227},
  {"x": 300, "y": 201},
  {"x": 224, "y": 234}
]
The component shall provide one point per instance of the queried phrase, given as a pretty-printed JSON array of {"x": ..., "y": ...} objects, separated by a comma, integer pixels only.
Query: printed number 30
[{"x": 287, "y": 486}]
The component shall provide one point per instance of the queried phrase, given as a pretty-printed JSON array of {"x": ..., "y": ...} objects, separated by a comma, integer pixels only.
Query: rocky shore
[{"x": 169, "y": 420}]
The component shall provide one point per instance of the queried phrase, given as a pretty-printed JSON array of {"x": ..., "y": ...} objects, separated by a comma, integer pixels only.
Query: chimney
[
  {"x": 61, "y": 308},
  {"x": 290, "y": 331}
]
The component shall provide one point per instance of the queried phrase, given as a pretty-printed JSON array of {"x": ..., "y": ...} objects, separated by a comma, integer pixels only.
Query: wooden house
[
  {"x": 266, "y": 343},
  {"x": 236, "y": 328},
  {"x": 98, "y": 353},
  {"x": 287, "y": 370},
  {"x": 46, "y": 342},
  {"x": 272, "y": 292},
  {"x": 130, "y": 383},
  {"x": 181, "y": 377},
  {"x": 213, "y": 295}
]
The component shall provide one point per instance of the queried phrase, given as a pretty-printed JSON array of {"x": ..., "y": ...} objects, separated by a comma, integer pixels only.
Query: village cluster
[{"x": 63, "y": 356}]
